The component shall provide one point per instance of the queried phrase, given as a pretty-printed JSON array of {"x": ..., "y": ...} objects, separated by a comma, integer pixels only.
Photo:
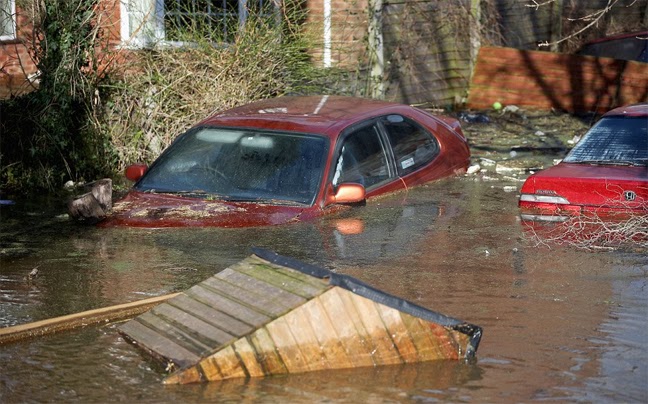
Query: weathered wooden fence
[
  {"x": 545, "y": 80},
  {"x": 269, "y": 315}
]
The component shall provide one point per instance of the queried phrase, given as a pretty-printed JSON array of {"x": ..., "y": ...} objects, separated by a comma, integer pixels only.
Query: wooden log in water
[
  {"x": 77, "y": 320},
  {"x": 92, "y": 206},
  {"x": 102, "y": 191}
]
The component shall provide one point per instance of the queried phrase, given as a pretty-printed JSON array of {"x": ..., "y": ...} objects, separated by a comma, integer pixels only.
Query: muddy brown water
[{"x": 560, "y": 323}]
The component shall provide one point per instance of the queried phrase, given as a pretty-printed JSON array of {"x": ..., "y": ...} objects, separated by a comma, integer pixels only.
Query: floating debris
[{"x": 269, "y": 315}]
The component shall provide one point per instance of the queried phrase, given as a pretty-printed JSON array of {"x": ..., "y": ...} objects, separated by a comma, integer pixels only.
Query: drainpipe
[
  {"x": 327, "y": 33},
  {"x": 475, "y": 34},
  {"x": 376, "y": 49},
  {"x": 242, "y": 12}
]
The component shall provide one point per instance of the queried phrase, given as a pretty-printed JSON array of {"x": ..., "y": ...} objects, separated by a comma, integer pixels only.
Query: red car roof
[
  {"x": 325, "y": 115},
  {"x": 629, "y": 110}
]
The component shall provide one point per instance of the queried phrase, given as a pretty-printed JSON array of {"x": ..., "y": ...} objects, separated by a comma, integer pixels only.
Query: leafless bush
[{"x": 166, "y": 89}]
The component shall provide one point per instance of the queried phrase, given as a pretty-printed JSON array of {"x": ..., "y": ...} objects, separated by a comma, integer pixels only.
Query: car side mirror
[
  {"x": 349, "y": 193},
  {"x": 135, "y": 171}
]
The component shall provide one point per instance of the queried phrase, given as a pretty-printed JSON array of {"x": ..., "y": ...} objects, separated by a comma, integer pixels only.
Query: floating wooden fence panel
[
  {"x": 274, "y": 315},
  {"x": 545, "y": 80}
]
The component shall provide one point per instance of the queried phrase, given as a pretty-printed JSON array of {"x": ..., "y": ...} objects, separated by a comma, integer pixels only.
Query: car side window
[
  {"x": 363, "y": 159},
  {"x": 413, "y": 146}
]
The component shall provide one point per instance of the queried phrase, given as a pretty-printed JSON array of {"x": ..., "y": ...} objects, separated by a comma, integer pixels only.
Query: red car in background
[
  {"x": 628, "y": 46},
  {"x": 605, "y": 174},
  {"x": 287, "y": 159}
]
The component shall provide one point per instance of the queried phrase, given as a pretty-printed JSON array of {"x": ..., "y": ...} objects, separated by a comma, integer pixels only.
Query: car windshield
[
  {"x": 240, "y": 165},
  {"x": 613, "y": 140}
]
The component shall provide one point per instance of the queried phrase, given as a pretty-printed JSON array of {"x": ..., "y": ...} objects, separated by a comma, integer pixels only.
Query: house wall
[
  {"x": 346, "y": 40},
  {"x": 16, "y": 63},
  {"x": 17, "y": 67}
]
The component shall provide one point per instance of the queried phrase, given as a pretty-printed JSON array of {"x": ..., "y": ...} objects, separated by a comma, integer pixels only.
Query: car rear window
[{"x": 613, "y": 139}]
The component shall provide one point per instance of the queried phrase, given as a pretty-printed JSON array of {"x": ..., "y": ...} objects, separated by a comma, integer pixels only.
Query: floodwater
[{"x": 560, "y": 323}]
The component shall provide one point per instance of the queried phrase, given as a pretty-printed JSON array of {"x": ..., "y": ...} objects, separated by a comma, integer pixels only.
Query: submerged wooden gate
[{"x": 271, "y": 315}]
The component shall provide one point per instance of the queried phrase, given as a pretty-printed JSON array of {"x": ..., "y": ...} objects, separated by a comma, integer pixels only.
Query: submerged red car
[
  {"x": 287, "y": 159},
  {"x": 605, "y": 174}
]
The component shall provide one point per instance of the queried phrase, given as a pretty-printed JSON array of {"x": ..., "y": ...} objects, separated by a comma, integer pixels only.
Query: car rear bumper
[{"x": 548, "y": 212}]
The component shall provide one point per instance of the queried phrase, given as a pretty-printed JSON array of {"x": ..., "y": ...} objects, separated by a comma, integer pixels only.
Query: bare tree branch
[{"x": 593, "y": 18}]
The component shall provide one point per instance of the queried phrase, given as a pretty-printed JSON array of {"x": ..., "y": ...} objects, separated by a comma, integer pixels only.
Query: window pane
[
  {"x": 363, "y": 159},
  {"x": 185, "y": 20},
  {"x": 413, "y": 147},
  {"x": 215, "y": 19},
  {"x": 6, "y": 19},
  {"x": 144, "y": 21}
]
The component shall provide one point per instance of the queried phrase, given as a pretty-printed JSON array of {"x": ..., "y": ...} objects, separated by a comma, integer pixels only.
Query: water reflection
[
  {"x": 560, "y": 323},
  {"x": 388, "y": 383}
]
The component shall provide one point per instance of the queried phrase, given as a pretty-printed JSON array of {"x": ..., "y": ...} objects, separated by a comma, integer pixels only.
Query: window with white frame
[
  {"x": 7, "y": 20},
  {"x": 147, "y": 22}
]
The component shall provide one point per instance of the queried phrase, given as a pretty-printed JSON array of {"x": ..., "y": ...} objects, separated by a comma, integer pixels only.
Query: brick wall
[
  {"x": 16, "y": 63},
  {"x": 17, "y": 68},
  {"x": 545, "y": 80},
  {"x": 349, "y": 24}
]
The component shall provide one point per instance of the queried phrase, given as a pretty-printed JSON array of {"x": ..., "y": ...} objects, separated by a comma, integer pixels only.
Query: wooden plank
[
  {"x": 227, "y": 363},
  {"x": 171, "y": 332},
  {"x": 266, "y": 351},
  {"x": 300, "y": 284},
  {"x": 185, "y": 376},
  {"x": 211, "y": 316},
  {"x": 386, "y": 352},
  {"x": 554, "y": 84},
  {"x": 77, "y": 320},
  {"x": 302, "y": 332},
  {"x": 286, "y": 346},
  {"x": 248, "y": 356},
  {"x": 244, "y": 297},
  {"x": 265, "y": 289},
  {"x": 155, "y": 343},
  {"x": 233, "y": 309},
  {"x": 327, "y": 338},
  {"x": 419, "y": 332},
  {"x": 210, "y": 370},
  {"x": 205, "y": 332},
  {"x": 260, "y": 264},
  {"x": 442, "y": 337},
  {"x": 399, "y": 333},
  {"x": 273, "y": 299},
  {"x": 348, "y": 327}
]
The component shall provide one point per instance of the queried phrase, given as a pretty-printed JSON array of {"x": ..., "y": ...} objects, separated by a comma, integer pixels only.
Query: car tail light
[{"x": 542, "y": 198}]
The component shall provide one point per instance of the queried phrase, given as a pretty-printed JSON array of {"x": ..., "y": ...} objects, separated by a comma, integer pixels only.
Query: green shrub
[
  {"x": 49, "y": 136},
  {"x": 82, "y": 124}
]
